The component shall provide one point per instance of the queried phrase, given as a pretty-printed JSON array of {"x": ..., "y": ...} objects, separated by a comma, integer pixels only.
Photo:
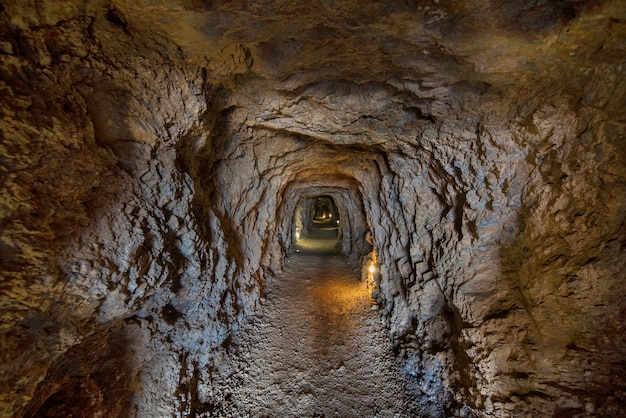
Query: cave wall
[
  {"x": 107, "y": 245},
  {"x": 152, "y": 158},
  {"x": 495, "y": 304}
]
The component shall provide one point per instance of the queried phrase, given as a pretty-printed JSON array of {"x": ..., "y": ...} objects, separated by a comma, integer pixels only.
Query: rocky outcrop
[{"x": 153, "y": 157}]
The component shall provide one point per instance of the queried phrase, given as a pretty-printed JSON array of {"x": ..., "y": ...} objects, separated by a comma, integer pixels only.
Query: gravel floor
[{"x": 316, "y": 348}]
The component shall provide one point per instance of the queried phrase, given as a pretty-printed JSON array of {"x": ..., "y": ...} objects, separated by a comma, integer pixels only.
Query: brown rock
[{"x": 152, "y": 157}]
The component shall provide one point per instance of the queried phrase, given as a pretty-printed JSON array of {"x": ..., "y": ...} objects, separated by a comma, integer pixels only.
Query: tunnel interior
[
  {"x": 165, "y": 166},
  {"x": 317, "y": 225}
]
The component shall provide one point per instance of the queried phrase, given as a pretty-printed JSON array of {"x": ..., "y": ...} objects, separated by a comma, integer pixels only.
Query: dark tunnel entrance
[{"x": 317, "y": 225}]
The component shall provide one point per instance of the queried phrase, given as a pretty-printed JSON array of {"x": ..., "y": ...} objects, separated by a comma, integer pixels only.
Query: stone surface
[
  {"x": 314, "y": 338},
  {"x": 153, "y": 153}
]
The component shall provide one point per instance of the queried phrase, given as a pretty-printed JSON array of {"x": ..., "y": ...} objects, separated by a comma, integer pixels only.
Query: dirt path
[{"x": 316, "y": 348}]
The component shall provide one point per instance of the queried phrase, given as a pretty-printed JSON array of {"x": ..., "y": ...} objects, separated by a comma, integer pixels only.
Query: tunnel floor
[
  {"x": 316, "y": 348},
  {"x": 319, "y": 241}
]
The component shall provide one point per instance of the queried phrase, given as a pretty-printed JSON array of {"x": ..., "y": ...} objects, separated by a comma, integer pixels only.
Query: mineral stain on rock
[{"x": 160, "y": 165}]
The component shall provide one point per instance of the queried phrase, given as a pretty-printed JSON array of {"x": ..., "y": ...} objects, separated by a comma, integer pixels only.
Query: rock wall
[
  {"x": 153, "y": 157},
  {"x": 122, "y": 281},
  {"x": 490, "y": 306}
]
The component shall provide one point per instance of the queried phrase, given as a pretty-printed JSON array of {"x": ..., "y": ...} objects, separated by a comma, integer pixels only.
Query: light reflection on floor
[{"x": 319, "y": 242}]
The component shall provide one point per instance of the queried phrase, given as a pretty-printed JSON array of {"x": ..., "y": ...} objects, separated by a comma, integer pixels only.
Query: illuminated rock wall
[{"x": 153, "y": 157}]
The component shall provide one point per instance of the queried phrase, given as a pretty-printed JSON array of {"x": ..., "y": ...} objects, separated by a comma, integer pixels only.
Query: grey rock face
[{"x": 152, "y": 158}]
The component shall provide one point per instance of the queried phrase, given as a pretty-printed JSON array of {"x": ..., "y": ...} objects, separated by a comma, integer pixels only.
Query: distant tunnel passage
[
  {"x": 317, "y": 225},
  {"x": 340, "y": 221}
]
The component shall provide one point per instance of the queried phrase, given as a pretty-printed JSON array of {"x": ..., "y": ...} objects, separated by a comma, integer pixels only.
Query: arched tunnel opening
[
  {"x": 228, "y": 209},
  {"x": 317, "y": 226}
]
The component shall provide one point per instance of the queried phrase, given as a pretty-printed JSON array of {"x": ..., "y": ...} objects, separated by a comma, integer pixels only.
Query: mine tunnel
[
  {"x": 305, "y": 209},
  {"x": 317, "y": 226}
]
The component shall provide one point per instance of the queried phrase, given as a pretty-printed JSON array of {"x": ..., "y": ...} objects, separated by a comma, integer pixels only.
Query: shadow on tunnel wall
[
  {"x": 67, "y": 178},
  {"x": 97, "y": 377},
  {"x": 561, "y": 296}
]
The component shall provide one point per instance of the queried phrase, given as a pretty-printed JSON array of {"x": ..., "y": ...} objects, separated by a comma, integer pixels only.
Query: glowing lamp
[{"x": 372, "y": 269}]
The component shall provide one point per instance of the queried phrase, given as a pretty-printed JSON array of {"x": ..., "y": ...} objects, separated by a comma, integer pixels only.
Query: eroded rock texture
[{"x": 153, "y": 154}]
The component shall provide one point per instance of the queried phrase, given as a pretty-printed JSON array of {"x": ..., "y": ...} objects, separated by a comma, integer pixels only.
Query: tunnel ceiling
[
  {"x": 416, "y": 60},
  {"x": 422, "y": 45},
  {"x": 152, "y": 154},
  {"x": 379, "y": 73}
]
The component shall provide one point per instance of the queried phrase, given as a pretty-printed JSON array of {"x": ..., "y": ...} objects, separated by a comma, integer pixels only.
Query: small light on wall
[
  {"x": 372, "y": 268},
  {"x": 337, "y": 221},
  {"x": 297, "y": 235}
]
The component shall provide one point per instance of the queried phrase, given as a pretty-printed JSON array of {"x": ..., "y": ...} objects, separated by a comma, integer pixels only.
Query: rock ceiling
[{"x": 422, "y": 44}]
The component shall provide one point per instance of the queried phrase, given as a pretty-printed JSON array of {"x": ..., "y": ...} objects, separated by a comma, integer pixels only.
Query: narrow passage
[{"x": 316, "y": 348}]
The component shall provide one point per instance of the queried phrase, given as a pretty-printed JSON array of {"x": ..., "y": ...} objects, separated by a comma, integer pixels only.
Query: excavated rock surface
[{"x": 152, "y": 155}]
